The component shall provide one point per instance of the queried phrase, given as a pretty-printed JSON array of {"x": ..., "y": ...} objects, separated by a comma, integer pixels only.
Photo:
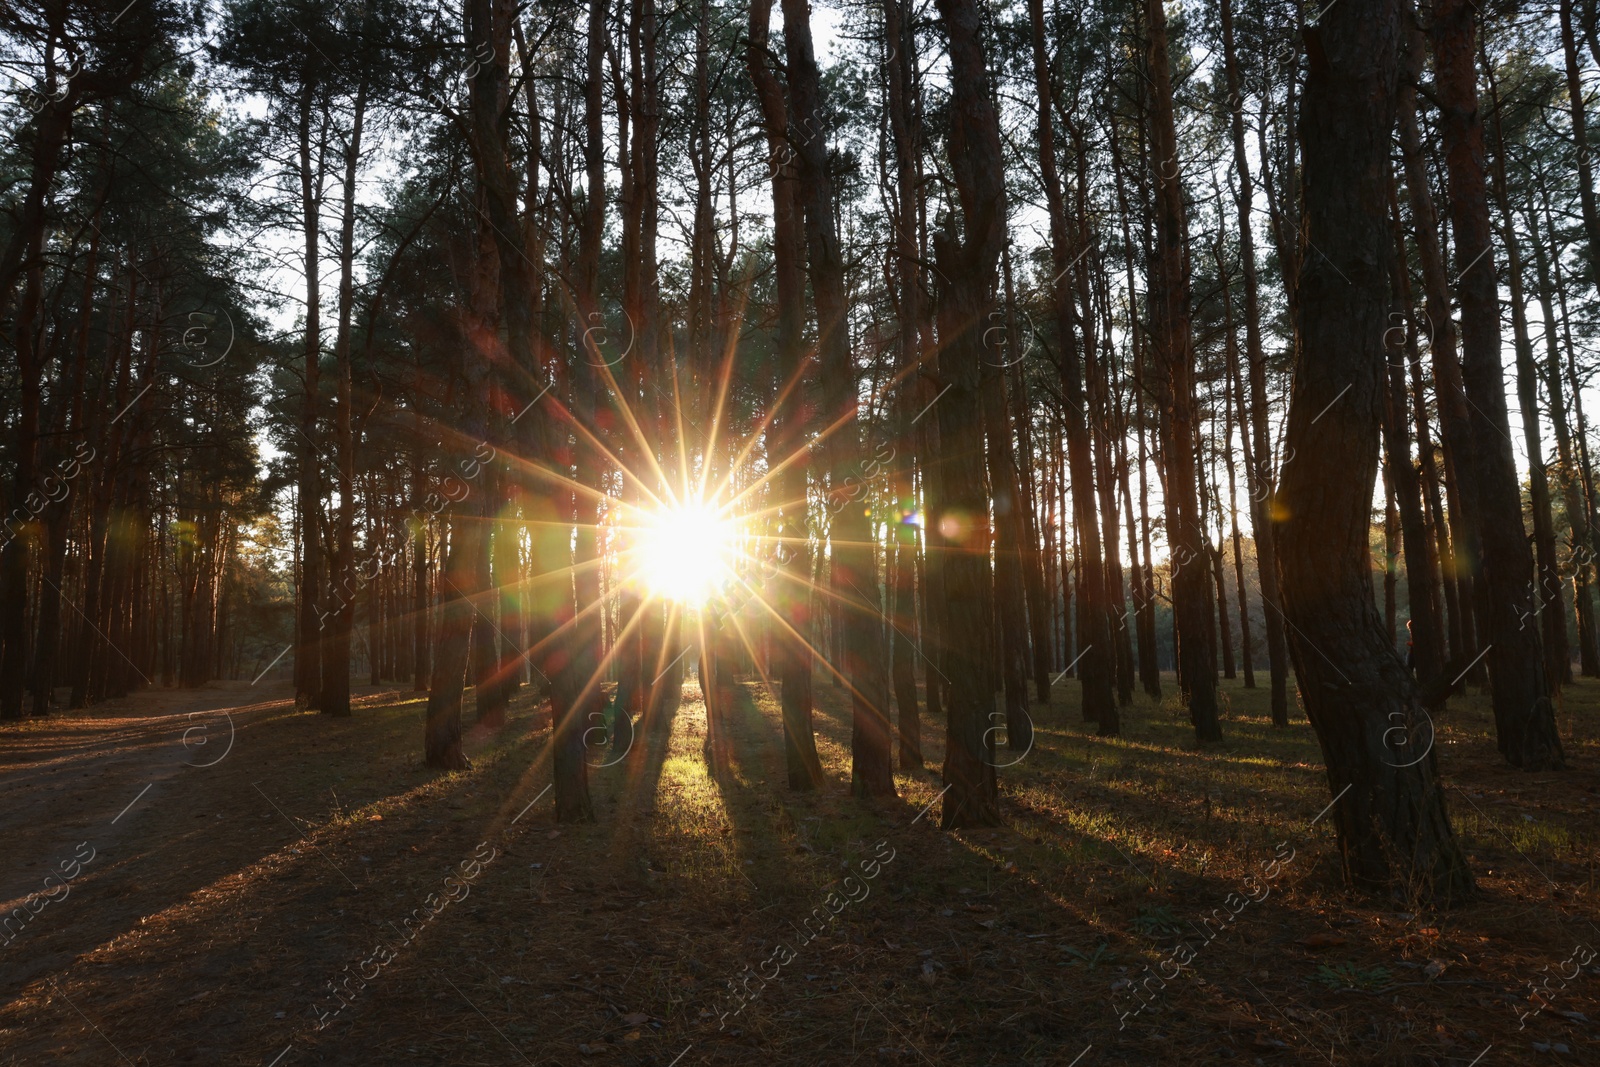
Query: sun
[{"x": 683, "y": 552}]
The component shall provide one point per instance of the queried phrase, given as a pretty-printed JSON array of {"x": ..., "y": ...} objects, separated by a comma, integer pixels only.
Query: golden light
[{"x": 684, "y": 552}]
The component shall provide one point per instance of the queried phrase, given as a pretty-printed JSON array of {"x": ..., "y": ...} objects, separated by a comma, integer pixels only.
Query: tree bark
[
  {"x": 968, "y": 270},
  {"x": 1580, "y": 548},
  {"x": 1455, "y": 427},
  {"x": 787, "y": 449},
  {"x": 335, "y": 699},
  {"x": 1524, "y": 714},
  {"x": 1549, "y": 607},
  {"x": 1095, "y": 662},
  {"x": 1170, "y": 287},
  {"x": 853, "y": 571},
  {"x": 1391, "y": 820}
]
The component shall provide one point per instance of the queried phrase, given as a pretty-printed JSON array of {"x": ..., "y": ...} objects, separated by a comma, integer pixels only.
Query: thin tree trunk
[
  {"x": 1011, "y": 607},
  {"x": 1524, "y": 714},
  {"x": 1096, "y": 662},
  {"x": 1548, "y": 605},
  {"x": 786, "y": 429},
  {"x": 335, "y": 660},
  {"x": 853, "y": 573},
  {"x": 1581, "y": 548},
  {"x": 1455, "y": 428},
  {"x": 1258, "y": 478},
  {"x": 1422, "y": 590},
  {"x": 906, "y": 132},
  {"x": 1233, "y": 388},
  {"x": 1175, "y": 388},
  {"x": 308, "y": 649}
]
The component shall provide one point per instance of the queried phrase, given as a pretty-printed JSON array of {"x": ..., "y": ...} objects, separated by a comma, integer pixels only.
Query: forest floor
[{"x": 232, "y": 881}]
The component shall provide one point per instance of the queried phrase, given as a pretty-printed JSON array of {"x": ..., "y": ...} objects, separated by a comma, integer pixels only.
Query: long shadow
[
  {"x": 632, "y": 783},
  {"x": 909, "y": 891},
  {"x": 282, "y": 854}
]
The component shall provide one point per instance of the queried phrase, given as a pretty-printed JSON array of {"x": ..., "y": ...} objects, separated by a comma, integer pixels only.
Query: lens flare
[{"x": 684, "y": 552}]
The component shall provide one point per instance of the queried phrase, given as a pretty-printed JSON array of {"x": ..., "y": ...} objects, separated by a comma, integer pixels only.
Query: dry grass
[{"x": 224, "y": 902}]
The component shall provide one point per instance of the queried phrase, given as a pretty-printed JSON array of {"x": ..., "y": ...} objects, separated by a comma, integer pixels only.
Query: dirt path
[
  {"x": 207, "y": 817},
  {"x": 77, "y": 790}
]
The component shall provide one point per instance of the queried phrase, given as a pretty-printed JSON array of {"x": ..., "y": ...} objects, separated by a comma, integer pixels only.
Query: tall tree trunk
[
  {"x": 853, "y": 578},
  {"x": 787, "y": 427},
  {"x": 308, "y": 649},
  {"x": 906, "y": 133},
  {"x": 1233, "y": 389},
  {"x": 1258, "y": 478},
  {"x": 1455, "y": 428},
  {"x": 1581, "y": 547},
  {"x": 1548, "y": 605},
  {"x": 1426, "y": 627},
  {"x": 1175, "y": 388},
  {"x": 1037, "y": 655},
  {"x": 1103, "y": 425},
  {"x": 1096, "y": 661},
  {"x": 1524, "y": 714},
  {"x": 335, "y": 698},
  {"x": 967, "y": 267},
  {"x": 578, "y": 635},
  {"x": 1144, "y": 595},
  {"x": 1011, "y": 608},
  {"x": 1391, "y": 820}
]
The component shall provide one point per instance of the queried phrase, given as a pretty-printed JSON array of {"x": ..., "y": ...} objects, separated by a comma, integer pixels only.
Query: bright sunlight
[{"x": 684, "y": 552}]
